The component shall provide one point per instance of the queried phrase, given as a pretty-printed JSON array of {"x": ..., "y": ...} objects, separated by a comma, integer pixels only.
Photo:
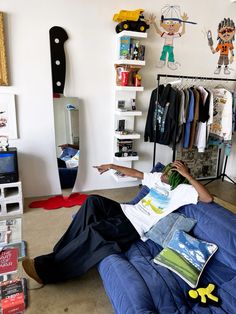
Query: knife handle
[{"x": 58, "y": 36}]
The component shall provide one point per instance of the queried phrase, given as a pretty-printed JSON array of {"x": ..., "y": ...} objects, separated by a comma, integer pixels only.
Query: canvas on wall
[
  {"x": 201, "y": 165},
  {"x": 8, "y": 116}
]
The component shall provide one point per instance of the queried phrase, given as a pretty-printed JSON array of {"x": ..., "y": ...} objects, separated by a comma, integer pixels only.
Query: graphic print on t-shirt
[{"x": 156, "y": 200}]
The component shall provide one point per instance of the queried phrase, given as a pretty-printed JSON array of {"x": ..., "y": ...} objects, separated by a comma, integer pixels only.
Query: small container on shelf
[
  {"x": 137, "y": 80},
  {"x": 125, "y": 74}
]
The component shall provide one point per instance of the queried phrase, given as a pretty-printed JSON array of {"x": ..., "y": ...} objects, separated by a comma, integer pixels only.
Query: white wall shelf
[
  {"x": 134, "y": 136},
  {"x": 130, "y": 88},
  {"x": 132, "y": 34},
  {"x": 119, "y": 178},
  {"x": 129, "y": 158},
  {"x": 130, "y": 62},
  {"x": 133, "y": 113}
]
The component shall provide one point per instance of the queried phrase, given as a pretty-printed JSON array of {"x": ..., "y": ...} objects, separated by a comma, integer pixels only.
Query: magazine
[
  {"x": 21, "y": 247},
  {"x": 10, "y": 231},
  {"x": 8, "y": 260}
]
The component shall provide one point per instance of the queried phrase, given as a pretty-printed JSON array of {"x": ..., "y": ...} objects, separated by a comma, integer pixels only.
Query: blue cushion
[{"x": 163, "y": 230}]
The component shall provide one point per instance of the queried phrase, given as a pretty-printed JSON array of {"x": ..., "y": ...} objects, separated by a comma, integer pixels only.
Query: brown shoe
[{"x": 29, "y": 268}]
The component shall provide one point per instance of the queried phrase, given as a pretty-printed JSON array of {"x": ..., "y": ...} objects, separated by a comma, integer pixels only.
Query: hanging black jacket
[{"x": 162, "y": 116}]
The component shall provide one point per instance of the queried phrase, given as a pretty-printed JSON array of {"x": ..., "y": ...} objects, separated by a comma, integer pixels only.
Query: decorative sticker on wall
[
  {"x": 8, "y": 126},
  {"x": 172, "y": 25},
  {"x": 225, "y": 47}
]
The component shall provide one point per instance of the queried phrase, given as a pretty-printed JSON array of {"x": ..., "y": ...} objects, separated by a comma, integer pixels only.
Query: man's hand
[
  {"x": 203, "y": 194},
  {"x": 103, "y": 168},
  {"x": 181, "y": 168}
]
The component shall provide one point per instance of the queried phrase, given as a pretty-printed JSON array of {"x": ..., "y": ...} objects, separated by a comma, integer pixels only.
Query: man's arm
[
  {"x": 203, "y": 193},
  {"x": 130, "y": 172}
]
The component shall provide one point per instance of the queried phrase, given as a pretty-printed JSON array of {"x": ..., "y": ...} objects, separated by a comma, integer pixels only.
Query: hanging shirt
[
  {"x": 181, "y": 118},
  {"x": 234, "y": 111},
  {"x": 195, "y": 118},
  {"x": 222, "y": 118},
  {"x": 189, "y": 119},
  {"x": 162, "y": 118},
  {"x": 158, "y": 203},
  {"x": 203, "y": 117},
  {"x": 211, "y": 109}
]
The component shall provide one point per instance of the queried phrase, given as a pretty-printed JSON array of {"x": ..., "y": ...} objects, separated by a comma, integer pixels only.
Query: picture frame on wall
[
  {"x": 202, "y": 166},
  {"x": 3, "y": 59},
  {"x": 8, "y": 125}
]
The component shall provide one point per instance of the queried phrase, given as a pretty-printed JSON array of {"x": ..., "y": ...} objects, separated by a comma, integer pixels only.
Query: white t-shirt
[{"x": 158, "y": 203}]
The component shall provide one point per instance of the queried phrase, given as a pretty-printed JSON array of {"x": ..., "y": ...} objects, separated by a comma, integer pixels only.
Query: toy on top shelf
[{"x": 130, "y": 20}]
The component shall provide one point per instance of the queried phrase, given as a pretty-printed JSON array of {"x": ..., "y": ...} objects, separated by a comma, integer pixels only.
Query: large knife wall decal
[{"x": 58, "y": 36}]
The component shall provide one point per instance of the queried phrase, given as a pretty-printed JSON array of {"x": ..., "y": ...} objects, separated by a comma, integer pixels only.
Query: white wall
[{"x": 90, "y": 77}]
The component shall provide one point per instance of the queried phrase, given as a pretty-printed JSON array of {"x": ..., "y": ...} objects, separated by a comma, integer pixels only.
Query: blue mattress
[{"x": 135, "y": 284}]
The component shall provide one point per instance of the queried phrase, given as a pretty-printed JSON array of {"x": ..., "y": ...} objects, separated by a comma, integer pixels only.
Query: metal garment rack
[{"x": 197, "y": 78}]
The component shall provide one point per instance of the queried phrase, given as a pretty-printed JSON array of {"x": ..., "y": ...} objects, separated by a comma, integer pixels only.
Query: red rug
[{"x": 60, "y": 201}]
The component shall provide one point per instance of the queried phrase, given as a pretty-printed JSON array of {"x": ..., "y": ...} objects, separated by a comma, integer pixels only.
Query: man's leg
[{"x": 99, "y": 229}]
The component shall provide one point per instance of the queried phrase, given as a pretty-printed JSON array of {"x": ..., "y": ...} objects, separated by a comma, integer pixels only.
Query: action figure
[{"x": 204, "y": 294}]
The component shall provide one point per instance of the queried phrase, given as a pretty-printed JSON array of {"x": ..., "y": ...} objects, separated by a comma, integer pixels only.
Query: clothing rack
[{"x": 197, "y": 78}]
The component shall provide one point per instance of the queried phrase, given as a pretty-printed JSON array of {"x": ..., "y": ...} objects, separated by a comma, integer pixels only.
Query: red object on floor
[{"x": 60, "y": 201}]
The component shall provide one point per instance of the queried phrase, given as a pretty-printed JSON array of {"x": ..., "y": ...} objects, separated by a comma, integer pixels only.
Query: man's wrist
[{"x": 190, "y": 179}]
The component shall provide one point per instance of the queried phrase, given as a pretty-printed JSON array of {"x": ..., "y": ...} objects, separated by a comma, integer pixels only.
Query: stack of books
[
  {"x": 13, "y": 295},
  {"x": 13, "y": 291}
]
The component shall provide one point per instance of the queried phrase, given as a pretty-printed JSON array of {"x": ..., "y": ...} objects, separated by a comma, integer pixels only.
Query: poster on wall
[
  {"x": 8, "y": 126},
  {"x": 201, "y": 165},
  {"x": 224, "y": 47},
  {"x": 172, "y": 27}
]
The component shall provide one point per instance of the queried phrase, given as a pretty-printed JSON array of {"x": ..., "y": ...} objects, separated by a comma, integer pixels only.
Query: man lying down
[{"x": 103, "y": 227}]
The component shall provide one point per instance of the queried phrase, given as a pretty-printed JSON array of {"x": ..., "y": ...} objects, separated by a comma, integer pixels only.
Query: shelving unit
[{"x": 125, "y": 118}]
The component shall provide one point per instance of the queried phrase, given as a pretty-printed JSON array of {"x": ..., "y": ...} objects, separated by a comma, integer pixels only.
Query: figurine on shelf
[
  {"x": 138, "y": 79},
  {"x": 135, "y": 54},
  {"x": 124, "y": 72}
]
